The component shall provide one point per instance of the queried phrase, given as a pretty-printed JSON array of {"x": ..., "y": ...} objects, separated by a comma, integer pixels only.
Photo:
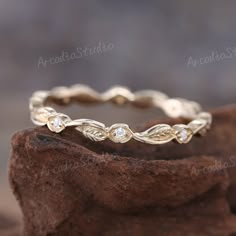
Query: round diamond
[
  {"x": 55, "y": 124},
  {"x": 183, "y": 135},
  {"x": 120, "y": 132}
]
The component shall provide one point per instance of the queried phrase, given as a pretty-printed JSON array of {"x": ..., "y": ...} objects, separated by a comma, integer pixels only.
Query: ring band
[{"x": 41, "y": 114}]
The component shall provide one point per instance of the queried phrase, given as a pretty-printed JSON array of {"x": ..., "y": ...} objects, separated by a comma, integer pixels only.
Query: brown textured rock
[{"x": 69, "y": 185}]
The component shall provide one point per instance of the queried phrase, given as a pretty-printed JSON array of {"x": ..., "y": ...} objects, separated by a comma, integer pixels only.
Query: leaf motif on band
[
  {"x": 160, "y": 133},
  {"x": 93, "y": 133}
]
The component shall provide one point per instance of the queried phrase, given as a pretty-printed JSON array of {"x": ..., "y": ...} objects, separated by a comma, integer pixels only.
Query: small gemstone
[
  {"x": 120, "y": 132},
  {"x": 55, "y": 124},
  {"x": 183, "y": 135}
]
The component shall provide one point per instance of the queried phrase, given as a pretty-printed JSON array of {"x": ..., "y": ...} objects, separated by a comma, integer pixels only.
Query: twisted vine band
[{"x": 42, "y": 114}]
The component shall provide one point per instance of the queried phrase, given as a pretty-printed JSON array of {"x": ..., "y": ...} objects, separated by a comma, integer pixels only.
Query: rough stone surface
[{"x": 69, "y": 185}]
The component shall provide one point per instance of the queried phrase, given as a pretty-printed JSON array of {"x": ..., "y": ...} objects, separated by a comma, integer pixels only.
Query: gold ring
[{"x": 42, "y": 114}]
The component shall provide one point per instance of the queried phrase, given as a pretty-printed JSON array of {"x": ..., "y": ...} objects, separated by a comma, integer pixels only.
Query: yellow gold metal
[{"x": 41, "y": 114}]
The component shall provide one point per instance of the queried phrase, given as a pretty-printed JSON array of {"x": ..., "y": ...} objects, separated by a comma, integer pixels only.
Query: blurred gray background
[{"x": 184, "y": 48}]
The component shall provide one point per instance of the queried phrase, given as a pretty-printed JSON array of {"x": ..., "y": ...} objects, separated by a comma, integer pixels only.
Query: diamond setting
[
  {"x": 183, "y": 133},
  {"x": 55, "y": 124},
  {"x": 120, "y": 133}
]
